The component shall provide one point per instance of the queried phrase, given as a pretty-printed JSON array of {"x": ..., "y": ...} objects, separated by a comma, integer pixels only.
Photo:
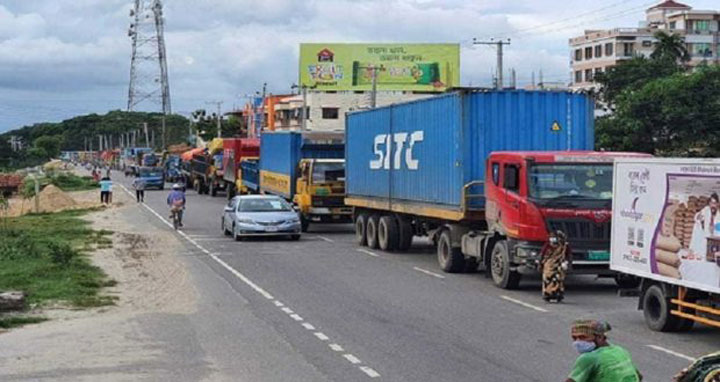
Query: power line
[{"x": 499, "y": 43}]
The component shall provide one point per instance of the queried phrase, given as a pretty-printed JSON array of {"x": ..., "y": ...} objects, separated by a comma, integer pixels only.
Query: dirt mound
[{"x": 52, "y": 199}]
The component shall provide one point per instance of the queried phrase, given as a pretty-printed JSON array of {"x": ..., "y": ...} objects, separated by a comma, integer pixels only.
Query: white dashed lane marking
[
  {"x": 321, "y": 336},
  {"x": 325, "y": 239},
  {"x": 671, "y": 352},
  {"x": 522, "y": 303},
  {"x": 365, "y": 251},
  {"x": 433, "y": 274},
  {"x": 353, "y": 360}
]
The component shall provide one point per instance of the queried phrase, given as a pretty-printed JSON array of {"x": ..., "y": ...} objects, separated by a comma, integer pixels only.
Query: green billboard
[{"x": 405, "y": 67}]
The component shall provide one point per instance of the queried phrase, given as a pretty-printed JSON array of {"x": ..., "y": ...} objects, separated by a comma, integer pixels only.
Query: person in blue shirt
[
  {"x": 106, "y": 190},
  {"x": 139, "y": 186},
  {"x": 176, "y": 202}
]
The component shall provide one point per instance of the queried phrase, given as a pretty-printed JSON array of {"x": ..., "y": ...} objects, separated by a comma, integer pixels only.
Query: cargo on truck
[
  {"x": 666, "y": 230},
  {"x": 206, "y": 168},
  {"x": 307, "y": 169},
  {"x": 486, "y": 175},
  {"x": 234, "y": 151}
]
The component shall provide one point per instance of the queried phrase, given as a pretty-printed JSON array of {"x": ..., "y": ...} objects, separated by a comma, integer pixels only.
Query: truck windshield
[
  {"x": 328, "y": 172},
  {"x": 570, "y": 181}
]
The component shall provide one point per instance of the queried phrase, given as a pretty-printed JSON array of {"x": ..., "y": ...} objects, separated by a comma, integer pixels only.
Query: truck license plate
[{"x": 599, "y": 255}]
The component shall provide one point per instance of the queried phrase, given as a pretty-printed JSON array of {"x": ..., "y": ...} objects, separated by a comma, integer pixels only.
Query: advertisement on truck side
[{"x": 666, "y": 221}]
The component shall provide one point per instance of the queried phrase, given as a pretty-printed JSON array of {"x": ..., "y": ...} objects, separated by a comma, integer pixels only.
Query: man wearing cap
[{"x": 599, "y": 361}]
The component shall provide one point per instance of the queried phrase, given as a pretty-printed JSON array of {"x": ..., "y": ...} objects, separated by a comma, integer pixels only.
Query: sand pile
[{"x": 52, "y": 199}]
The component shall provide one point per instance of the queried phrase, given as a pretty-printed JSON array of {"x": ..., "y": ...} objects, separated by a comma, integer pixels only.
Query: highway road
[{"x": 344, "y": 313}]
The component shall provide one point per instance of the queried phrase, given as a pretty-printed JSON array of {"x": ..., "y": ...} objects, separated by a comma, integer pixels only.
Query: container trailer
[
  {"x": 486, "y": 175},
  {"x": 666, "y": 230},
  {"x": 308, "y": 170}
]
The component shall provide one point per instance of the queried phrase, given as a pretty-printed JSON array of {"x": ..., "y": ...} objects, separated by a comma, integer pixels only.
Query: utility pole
[
  {"x": 164, "y": 140},
  {"x": 218, "y": 104},
  {"x": 499, "y": 43},
  {"x": 147, "y": 137}
]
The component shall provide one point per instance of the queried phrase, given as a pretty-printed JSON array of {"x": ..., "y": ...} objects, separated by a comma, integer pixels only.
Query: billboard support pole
[{"x": 373, "y": 100}]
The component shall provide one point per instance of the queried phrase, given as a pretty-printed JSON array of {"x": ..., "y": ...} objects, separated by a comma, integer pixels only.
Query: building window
[
  {"x": 647, "y": 44},
  {"x": 673, "y": 25},
  {"x": 701, "y": 50},
  {"x": 597, "y": 71},
  {"x": 609, "y": 49},
  {"x": 330, "y": 113},
  {"x": 588, "y": 53},
  {"x": 701, "y": 25},
  {"x": 578, "y": 76},
  {"x": 628, "y": 49},
  {"x": 578, "y": 54},
  {"x": 598, "y": 51},
  {"x": 588, "y": 75}
]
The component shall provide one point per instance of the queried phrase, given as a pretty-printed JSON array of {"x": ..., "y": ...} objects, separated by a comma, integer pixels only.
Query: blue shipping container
[
  {"x": 280, "y": 153},
  {"x": 424, "y": 152}
]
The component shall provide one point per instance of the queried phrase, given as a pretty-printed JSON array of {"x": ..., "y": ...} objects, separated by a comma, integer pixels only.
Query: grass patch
[
  {"x": 15, "y": 321},
  {"x": 65, "y": 181},
  {"x": 45, "y": 255}
]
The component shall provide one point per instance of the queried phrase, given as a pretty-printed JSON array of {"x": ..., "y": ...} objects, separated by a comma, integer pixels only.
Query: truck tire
[
  {"x": 624, "y": 281},
  {"x": 230, "y": 190},
  {"x": 387, "y": 233},
  {"x": 212, "y": 188},
  {"x": 502, "y": 275},
  {"x": 656, "y": 309},
  {"x": 360, "y": 226},
  {"x": 371, "y": 231},
  {"x": 450, "y": 258},
  {"x": 197, "y": 186},
  {"x": 405, "y": 234}
]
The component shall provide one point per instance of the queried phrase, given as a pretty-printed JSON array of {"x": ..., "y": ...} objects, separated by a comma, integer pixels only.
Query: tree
[
  {"x": 49, "y": 144},
  {"x": 632, "y": 74},
  {"x": 671, "y": 116},
  {"x": 670, "y": 47}
]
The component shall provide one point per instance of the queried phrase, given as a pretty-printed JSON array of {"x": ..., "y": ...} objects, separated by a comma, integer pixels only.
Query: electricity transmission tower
[{"x": 148, "y": 65}]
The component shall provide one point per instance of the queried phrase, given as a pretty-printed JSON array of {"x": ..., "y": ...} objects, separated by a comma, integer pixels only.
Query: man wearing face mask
[{"x": 599, "y": 361}]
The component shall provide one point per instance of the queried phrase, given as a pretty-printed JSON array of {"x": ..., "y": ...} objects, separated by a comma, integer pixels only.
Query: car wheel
[
  {"x": 236, "y": 235},
  {"x": 224, "y": 229}
]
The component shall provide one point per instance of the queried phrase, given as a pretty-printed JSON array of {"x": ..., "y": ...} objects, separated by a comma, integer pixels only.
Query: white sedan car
[{"x": 260, "y": 215}]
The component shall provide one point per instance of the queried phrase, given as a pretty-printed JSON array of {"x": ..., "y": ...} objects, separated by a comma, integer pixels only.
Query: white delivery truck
[{"x": 666, "y": 230}]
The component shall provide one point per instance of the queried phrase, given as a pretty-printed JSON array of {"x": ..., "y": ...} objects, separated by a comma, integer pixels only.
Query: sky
[{"x": 61, "y": 58}]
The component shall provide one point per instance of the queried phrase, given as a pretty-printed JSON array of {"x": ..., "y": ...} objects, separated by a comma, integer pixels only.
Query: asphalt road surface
[{"x": 344, "y": 313}]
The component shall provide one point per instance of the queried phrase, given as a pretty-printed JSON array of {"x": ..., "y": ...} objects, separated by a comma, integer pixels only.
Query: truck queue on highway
[{"x": 486, "y": 176}]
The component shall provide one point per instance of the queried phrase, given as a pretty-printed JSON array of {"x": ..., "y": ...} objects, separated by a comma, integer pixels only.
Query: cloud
[{"x": 58, "y": 58}]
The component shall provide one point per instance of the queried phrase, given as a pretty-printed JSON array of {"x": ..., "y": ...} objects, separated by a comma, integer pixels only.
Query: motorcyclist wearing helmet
[{"x": 176, "y": 202}]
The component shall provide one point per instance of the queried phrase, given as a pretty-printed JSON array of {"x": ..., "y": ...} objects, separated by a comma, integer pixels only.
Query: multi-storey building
[{"x": 598, "y": 50}]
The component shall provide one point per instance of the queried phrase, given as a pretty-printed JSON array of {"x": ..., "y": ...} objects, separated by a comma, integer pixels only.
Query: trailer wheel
[
  {"x": 450, "y": 258},
  {"x": 371, "y": 231},
  {"x": 387, "y": 233},
  {"x": 405, "y": 234},
  {"x": 360, "y": 226},
  {"x": 502, "y": 275},
  {"x": 656, "y": 308}
]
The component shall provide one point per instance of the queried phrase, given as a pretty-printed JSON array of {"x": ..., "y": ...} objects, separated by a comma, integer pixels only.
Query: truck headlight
[{"x": 527, "y": 253}]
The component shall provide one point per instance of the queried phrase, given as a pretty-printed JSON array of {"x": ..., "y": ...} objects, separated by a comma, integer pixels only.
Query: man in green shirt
[{"x": 599, "y": 360}]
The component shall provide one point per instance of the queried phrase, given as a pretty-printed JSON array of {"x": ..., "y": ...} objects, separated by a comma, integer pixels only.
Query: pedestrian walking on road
[
  {"x": 106, "y": 190},
  {"x": 599, "y": 360},
  {"x": 139, "y": 186},
  {"x": 555, "y": 258}
]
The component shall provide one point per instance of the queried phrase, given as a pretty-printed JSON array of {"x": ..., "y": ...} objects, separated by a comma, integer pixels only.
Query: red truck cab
[
  {"x": 529, "y": 194},
  {"x": 234, "y": 150}
]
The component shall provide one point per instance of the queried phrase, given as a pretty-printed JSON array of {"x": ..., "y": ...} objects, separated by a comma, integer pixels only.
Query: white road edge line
[
  {"x": 425, "y": 271},
  {"x": 353, "y": 360},
  {"x": 674, "y": 353},
  {"x": 369, "y": 371},
  {"x": 325, "y": 238},
  {"x": 368, "y": 252},
  {"x": 321, "y": 336},
  {"x": 525, "y": 304}
]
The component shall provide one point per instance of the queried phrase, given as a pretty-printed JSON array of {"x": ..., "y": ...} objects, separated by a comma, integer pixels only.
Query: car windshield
[
  {"x": 150, "y": 173},
  {"x": 328, "y": 172},
  {"x": 264, "y": 205},
  {"x": 561, "y": 181}
]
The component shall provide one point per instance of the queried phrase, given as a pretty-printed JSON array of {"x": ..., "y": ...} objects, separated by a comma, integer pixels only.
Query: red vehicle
[{"x": 234, "y": 150}]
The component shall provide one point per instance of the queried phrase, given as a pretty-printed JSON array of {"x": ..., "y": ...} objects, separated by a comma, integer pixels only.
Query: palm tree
[{"x": 670, "y": 47}]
